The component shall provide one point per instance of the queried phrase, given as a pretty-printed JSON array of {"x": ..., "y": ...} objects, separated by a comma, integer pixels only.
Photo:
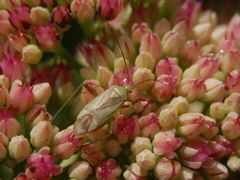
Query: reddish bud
[
  {"x": 191, "y": 51},
  {"x": 138, "y": 31},
  {"x": 6, "y": 27},
  {"x": 233, "y": 82},
  {"x": 230, "y": 126},
  {"x": 18, "y": 40},
  {"x": 109, "y": 9}
]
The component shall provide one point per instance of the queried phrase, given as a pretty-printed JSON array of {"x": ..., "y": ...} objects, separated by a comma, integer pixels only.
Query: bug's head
[{"x": 83, "y": 125}]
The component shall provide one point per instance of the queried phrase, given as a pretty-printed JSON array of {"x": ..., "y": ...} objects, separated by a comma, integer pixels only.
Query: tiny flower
[
  {"x": 149, "y": 125},
  {"x": 41, "y": 134},
  {"x": 161, "y": 27},
  {"x": 8, "y": 124},
  {"x": 233, "y": 163},
  {"x": 46, "y": 36},
  {"x": 6, "y": 27},
  {"x": 215, "y": 170},
  {"x": 83, "y": 11},
  {"x": 151, "y": 43},
  {"x": 231, "y": 103},
  {"x": 143, "y": 78},
  {"x": 190, "y": 125},
  {"x": 165, "y": 143},
  {"x": 31, "y": 54},
  {"x": 20, "y": 97},
  {"x": 195, "y": 154},
  {"x": 165, "y": 87},
  {"x": 39, "y": 15},
  {"x": 18, "y": 40},
  {"x": 230, "y": 61},
  {"x": 146, "y": 159},
  {"x": 61, "y": 17},
  {"x": 215, "y": 90},
  {"x": 80, "y": 170},
  {"x": 42, "y": 93},
  {"x": 179, "y": 104},
  {"x": 232, "y": 82},
  {"x": 37, "y": 114},
  {"x": 145, "y": 59},
  {"x": 192, "y": 89},
  {"x": 135, "y": 172},
  {"x": 217, "y": 110},
  {"x": 171, "y": 43},
  {"x": 169, "y": 66},
  {"x": 113, "y": 148},
  {"x": 3, "y": 145},
  {"x": 168, "y": 118},
  {"x": 138, "y": 31},
  {"x": 20, "y": 17},
  {"x": 109, "y": 9},
  {"x": 208, "y": 66},
  {"x": 3, "y": 95},
  {"x": 103, "y": 76},
  {"x": 40, "y": 165},
  {"x": 230, "y": 126},
  {"x": 19, "y": 148},
  {"x": 140, "y": 144},
  {"x": 126, "y": 129},
  {"x": 210, "y": 128},
  {"x": 167, "y": 169},
  {"x": 202, "y": 32},
  {"x": 108, "y": 170},
  {"x": 191, "y": 51},
  {"x": 93, "y": 153},
  {"x": 11, "y": 62},
  {"x": 65, "y": 143}
]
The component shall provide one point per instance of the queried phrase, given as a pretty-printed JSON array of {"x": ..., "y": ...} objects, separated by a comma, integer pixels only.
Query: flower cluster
[{"x": 179, "y": 66}]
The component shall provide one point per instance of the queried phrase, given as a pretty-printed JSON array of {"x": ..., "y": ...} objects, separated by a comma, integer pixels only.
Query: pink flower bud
[
  {"x": 109, "y": 9},
  {"x": 20, "y": 17},
  {"x": 167, "y": 169},
  {"x": 165, "y": 87},
  {"x": 83, "y": 10},
  {"x": 140, "y": 144},
  {"x": 94, "y": 153},
  {"x": 146, "y": 60},
  {"x": 215, "y": 170},
  {"x": 202, "y": 32},
  {"x": 171, "y": 43},
  {"x": 18, "y": 40},
  {"x": 151, "y": 43},
  {"x": 103, "y": 76},
  {"x": 143, "y": 78},
  {"x": 168, "y": 118},
  {"x": 138, "y": 31},
  {"x": 191, "y": 125},
  {"x": 135, "y": 172},
  {"x": 46, "y": 36},
  {"x": 19, "y": 148},
  {"x": 191, "y": 51},
  {"x": 8, "y": 124},
  {"x": 65, "y": 143},
  {"x": 126, "y": 129},
  {"x": 165, "y": 143},
  {"x": 108, "y": 170},
  {"x": 10, "y": 63},
  {"x": 217, "y": 110},
  {"x": 39, "y": 15},
  {"x": 3, "y": 95},
  {"x": 80, "y": 170},
  {"x": 188, "y": 12},
  {"x": 230, "y": 126},
  {"x": 230, "y": 61},
  {"x": 210, "y": 128},
  {"x": 195, "y": 153},
  {"x": 189, "y": 174},
  {"x": 37, "y": 114},
  {"x": 169, "y": 66},
  {"x": 6, "y": 27},
  {"x": 233, "y": 26},
  {"x": 208, "y": 66},
  {"x": 149, "y": 125},
  {"x": 221, "y": 147},
  {"x": 232, "y": 82},
  {"x": 218, "y": 33},
  {"x": 161, "y": 27},
  {"x": 146, "y": 159},
  {"x": 20, "y": 97},
  {"x": 192, "y": 89},
  {"x": 233, "y": 163},
  {"x": 61, "y": 17},
  {"x": 231, "y": 103},
  {"x": 40, "y": 165},
  {"x": 179, "y": 104},
  {"x": 3, "y": 145}
]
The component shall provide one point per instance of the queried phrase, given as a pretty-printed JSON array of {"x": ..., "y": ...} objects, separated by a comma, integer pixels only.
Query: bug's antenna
[
  {"x": 124, "y": 59},
  {"x": 67, "y": 101}
]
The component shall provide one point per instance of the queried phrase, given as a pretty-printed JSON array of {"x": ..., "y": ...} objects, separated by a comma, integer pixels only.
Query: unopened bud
[
  {"x": 171, "y": 43},
  {"x": 192, "y": 72},
  {"x": 230, "y": 126},
  {"x": 233, "y": 163},
  {"x": 231, "y": 103},
  {"x": 217, "y": 110},
  {"x": 41, "y": 134},
  {"x": 215, "y": 171},
  {"x": 196, "y": 107},
  {"x": 161, "y": 27},
  {"x": 218, "y": 34},
  {"x": 42, "y": 93},
  {"x": 145, "y": 59},
  {"x": 109, "y": 9},
  {"x": 4, "y": 81},
  {"x": 168, "y": 118},
  {"x": 80, "y": 170},
  {"x": 208, "y": 17},
  {"x": 31, "y": 54},
  {"x": 202, "y": 32},
  {"x": 134, "y": 172},
  {"x": 138, "y": 31},
  {"x": 103, "y": 76},
  {"x": 3, "y": 145},
  {"x": 146, "y": 159},
  {"x": 119, "y": 64},
  {"x": 113, "y": 148},
  {"x": 39, "y": 15},
  {"x": 232, "y": 82},
  {"x": 6, "y": 27},
  {"x": 19, "y": 148},
  {"x": 179, "y": 104},
  {"x": 3, "y": 95},
  {"x": 140, "y": 144},
  {"x": 230, "y": 61},
  {"x": 191, "y": 51},
  {"x": 143, "y": 78}
]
